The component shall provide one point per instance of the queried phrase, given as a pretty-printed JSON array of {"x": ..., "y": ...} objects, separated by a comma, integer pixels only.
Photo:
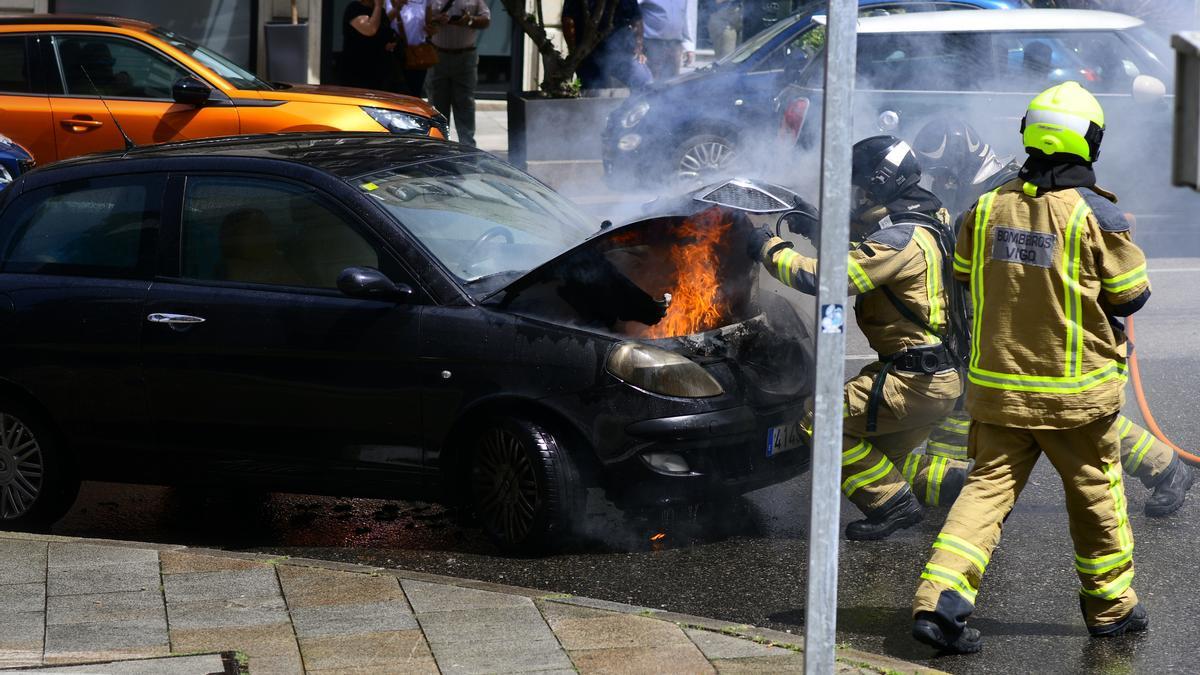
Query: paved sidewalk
[{"x": 142, "y": 608}]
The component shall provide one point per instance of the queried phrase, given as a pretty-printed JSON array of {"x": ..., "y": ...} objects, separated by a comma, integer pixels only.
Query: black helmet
[
  {"x": 883, "y": 168},
  {"x": 954, "y": 160}
]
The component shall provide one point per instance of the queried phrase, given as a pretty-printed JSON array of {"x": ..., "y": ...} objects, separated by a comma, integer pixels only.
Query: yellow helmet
[{"x": 1064, "y": 119}]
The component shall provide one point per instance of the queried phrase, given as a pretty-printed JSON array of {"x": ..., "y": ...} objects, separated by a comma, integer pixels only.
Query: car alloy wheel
[
  {"x": 525, "y": 488},
  {"x": 22, "y": 468},
  {"x": 701, "y": 156}
]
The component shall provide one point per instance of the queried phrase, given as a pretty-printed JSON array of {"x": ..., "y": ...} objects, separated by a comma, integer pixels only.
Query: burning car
[{"x": 385, "y": 316}]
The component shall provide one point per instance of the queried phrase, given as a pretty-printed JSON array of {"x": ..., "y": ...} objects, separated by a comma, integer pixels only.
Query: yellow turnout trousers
[
  {"x": 1088, "y": 459},
  {"x": 877, "y": 465}
]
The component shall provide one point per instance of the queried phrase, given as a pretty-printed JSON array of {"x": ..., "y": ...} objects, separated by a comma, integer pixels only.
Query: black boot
[
  {"x": 952, "y": 484},
  {"x": 1171, "y": 489},
  {"x": 1135, "y": 621},
  {"x": 929, "y": 630},
  {"x": 897, "y": 513}
]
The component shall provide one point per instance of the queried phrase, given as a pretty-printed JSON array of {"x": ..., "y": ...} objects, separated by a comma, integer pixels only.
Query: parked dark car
[
  {"x": 690, "y": 127},
  {"x": 380, "y": 316},
  {"x": 14, "y": 161}
]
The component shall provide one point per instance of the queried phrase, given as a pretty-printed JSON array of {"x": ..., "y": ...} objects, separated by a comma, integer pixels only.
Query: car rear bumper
[{"x": 726, "y": 452}]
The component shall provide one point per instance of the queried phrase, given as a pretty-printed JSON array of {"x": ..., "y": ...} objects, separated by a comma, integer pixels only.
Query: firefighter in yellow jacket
[
  {"x": 897, "y": 270},
  {"x": 959, "y": 168},
  {"x": 1051, "y": 268}
]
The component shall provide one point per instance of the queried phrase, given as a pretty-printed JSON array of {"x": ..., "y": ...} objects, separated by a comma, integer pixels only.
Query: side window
[
  {"x": 263, "y": 231},
  {"x": 15, "y": 77},
  {"x": 923, "y": 62},
  {"x": 104, "y": 227},
  {"x": 1101, "y": 61},
  {"x": 115, "y": 67}
]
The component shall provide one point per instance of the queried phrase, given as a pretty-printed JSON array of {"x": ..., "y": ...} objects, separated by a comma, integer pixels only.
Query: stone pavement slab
[{"x": 114, "y": 605}]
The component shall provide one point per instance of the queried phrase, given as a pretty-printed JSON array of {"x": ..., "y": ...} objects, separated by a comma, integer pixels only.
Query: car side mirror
[
  {"x": 368, "y": 283},
  {"x": 1148, "y": 89},
  {"x": 190, "y": 91}
]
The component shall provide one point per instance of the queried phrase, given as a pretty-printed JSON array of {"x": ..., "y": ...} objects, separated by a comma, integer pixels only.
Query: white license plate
[{"x": 786, "y": 437}]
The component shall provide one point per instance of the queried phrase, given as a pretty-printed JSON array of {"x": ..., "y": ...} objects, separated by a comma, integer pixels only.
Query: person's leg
[
  {"x": 1004, "y": 457},
  {"x": 440, "y": 85},
  {"x": 949, "y": 439},
  {"x": 657, "y": 58},
  {"x": 466, "y": 78},
  {"x": 1088, "y": 459},
  {"x": 1155, "y": 464},
  {"x": 415, "y": 81}
]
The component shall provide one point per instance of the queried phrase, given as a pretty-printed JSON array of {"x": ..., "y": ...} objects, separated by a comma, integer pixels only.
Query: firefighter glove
[{"x": 757, "y": 243}]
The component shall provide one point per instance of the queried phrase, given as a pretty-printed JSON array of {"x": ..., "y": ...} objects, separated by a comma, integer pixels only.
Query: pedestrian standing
[
  {"x": 367, "y": 45},
  {"x": 1051, "y": 267},
  {"x": 668, "y": 27},
  {"x": 620, "y": 56},
  {"x": 456, "y": 73},
  {"x": 725, "y": 26},
  {"x": 413, "y": 23}
]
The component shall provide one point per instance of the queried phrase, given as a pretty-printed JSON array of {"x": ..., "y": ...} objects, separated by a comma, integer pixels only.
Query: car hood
[
  {"x": 682, "y": 269},
  {"x": 323, "y": 93}
]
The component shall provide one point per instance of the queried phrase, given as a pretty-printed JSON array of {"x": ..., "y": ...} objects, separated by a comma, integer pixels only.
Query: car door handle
[
  {"x": 174, "y": 319},
  {"x": 81, "y": 125}
]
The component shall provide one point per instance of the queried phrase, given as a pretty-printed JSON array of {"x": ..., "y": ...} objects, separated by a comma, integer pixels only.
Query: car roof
[
  {"x": 995, "y": 21},
  {"x": 343, "y": 154},
  {"x": 72, "y": 20}
]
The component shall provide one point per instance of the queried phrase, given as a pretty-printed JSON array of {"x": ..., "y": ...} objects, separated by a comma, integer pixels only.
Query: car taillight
[{"x": 793, "y": 119}]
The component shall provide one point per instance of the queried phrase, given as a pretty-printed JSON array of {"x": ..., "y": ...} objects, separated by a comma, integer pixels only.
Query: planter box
[
  {"x": 558, "y": 129},
  {"x": 287, "y": 52}
]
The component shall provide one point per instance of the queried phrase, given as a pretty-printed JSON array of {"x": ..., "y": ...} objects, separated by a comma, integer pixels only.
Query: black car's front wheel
[
  {"x": 702, "y": 157},
  {"x": 526, "y": 489},
  {"x": 36, "y": 484}
]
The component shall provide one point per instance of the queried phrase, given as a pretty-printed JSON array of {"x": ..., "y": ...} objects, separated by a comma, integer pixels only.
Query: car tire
[
  {"x": 526, "y": 489},
  {"x": 38, "y": 484},
  {"x": 702, "y": 157}
]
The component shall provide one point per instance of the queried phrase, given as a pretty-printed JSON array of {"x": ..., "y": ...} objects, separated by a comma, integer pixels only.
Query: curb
[{"x": 765, "y": 636}]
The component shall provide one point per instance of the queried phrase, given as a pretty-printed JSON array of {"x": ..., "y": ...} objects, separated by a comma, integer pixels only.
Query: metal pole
[{"x": 820, "y": 629}]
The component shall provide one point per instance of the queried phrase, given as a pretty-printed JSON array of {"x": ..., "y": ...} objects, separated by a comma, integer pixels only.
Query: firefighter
[
  {"x": 898, "y": 268},
  {"x": 1049, "y": 260},
  {"x": 959, "y": 167}
]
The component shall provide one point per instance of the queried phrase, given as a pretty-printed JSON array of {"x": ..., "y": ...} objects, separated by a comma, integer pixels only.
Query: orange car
[{"x": 57, "y": 72}]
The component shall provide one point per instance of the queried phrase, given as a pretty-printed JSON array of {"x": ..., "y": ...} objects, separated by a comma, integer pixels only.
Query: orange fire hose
[{"x": 1144, "y": 407}]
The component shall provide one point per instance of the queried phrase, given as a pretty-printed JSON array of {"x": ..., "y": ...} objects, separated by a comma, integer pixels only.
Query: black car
[{"x": 382, "y": 316}]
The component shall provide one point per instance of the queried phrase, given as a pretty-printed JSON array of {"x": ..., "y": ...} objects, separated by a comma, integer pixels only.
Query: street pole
[{"x": 820, "y": 627}]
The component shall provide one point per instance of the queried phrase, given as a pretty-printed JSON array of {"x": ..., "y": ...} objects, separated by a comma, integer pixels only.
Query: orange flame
[
  {"x": 695, "y": 294},
  {"x": 658, "y": 537}
]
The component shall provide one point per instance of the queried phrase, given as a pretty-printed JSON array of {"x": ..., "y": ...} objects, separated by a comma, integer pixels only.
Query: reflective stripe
[
  {"x": 1046, "y": 384},
  {"x": 1029, "y": 189},
  {"x": 1113, "y": 589},
  {"x": 856, "y": 453},
  {"x": 1076, "y": 123},
  {"x": 1124, "y": 282},
  {"x": 950, "y": 451},
  {"x": 933, "y": 479},
  {"x": 912, "y": 464},
  {"x": 1138, "y": 452},
  {"x": 859, "y": 276},
  {"x": 933, "y": 286},
  {"x": 783, "y": 266},
  {"x": 961, "y": 264},
  {"x": 1116, "y": 490},
  {"x": 1072, "y": 291},
  {"x": 956, "y": 424},
  {"x": 983, "y": 211},
  {"x": 1104, "y": 563},
  {"x": 858, "y": 480},
  {"x": 1124, "y": 426},
  {"x": 948, "y": 577},
  {"x": 963, "y": 549}
]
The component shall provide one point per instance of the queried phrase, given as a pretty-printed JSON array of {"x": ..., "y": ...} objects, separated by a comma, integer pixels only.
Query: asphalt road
[{"x": 1027, "y": 609}]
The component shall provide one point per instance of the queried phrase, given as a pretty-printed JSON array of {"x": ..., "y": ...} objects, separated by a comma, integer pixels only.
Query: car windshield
[
  {"x": 483, "y": 220},
  {"x": 755, "y": 43},
  {"x": 223, "y": 67}
]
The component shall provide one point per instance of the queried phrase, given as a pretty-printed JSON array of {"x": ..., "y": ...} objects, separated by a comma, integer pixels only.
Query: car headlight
[
  {"x": 635, "y": 114},
  {"x": 629, "y": 142},
  {"x": 5, "y": 176},
  {"x": 398, "y": 122},
  {"x": 661, "y": 372}
]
